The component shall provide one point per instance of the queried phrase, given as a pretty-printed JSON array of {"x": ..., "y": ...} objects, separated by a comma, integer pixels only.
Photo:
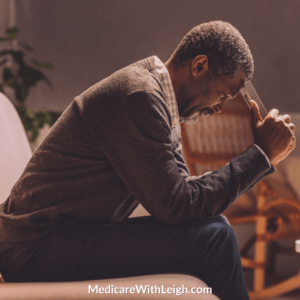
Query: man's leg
[{"x": 139, "y": 246}]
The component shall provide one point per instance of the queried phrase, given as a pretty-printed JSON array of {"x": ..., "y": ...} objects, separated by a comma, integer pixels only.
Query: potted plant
[{"x": 20, "y": 77}]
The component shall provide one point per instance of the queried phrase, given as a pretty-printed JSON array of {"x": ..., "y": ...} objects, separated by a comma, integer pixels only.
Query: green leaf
[
  {"x": 17, "y": 56},
  {"x": 1, "y": 89},
  {"x": 25, "y": 117},
  {"x": 28, "y": 122},
  {"x": 45, "y": 65},
  {"x": 13, "y": 84},
  {"x": 7, "y": 74},
  {"x": 12, "y": 31},
  {"x": 6, "y": 39},
  {"x": 21, "y": 92},
  {"x": 29, "y": 75},
  {"x": 40, "y": 118},
  {"x": 34, "y": 120},
  {"x": 53, "y": 117},
  {"x": 2, "y": 53},
  {"x": 34, "y": 134}
]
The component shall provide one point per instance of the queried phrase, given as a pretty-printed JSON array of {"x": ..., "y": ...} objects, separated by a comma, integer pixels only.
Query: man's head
[{"x": 209, "y": 66}]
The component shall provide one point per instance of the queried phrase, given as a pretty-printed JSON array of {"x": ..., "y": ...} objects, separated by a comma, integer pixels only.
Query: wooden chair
[{"x": 208, "y": 145}]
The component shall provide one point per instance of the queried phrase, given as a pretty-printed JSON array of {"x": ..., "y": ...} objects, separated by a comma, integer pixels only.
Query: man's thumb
[{"x": 256, "y": 118}]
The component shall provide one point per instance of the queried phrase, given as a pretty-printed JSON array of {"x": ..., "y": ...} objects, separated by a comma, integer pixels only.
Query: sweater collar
[{"x": 167, "y": 86}]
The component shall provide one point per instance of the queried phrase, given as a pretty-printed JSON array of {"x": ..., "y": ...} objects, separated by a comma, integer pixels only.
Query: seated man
[{"x": 117, "y": 145}]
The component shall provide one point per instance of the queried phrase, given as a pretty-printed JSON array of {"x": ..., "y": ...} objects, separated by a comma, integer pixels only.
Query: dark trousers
[{"x": 205, "y": 248}]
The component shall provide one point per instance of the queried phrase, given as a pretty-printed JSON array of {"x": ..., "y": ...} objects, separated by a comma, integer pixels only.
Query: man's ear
[{"x": 199, "y": 66}]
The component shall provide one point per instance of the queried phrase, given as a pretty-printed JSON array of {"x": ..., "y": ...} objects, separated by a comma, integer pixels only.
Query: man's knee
[
  {"x": 224, "y": 219},
  {"x": 223, "y": 236},
  {"x": 218, "y": 230}
]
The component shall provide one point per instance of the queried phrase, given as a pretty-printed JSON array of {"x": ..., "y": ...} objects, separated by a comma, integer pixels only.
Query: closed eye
[{"x": 224, "y": 97}]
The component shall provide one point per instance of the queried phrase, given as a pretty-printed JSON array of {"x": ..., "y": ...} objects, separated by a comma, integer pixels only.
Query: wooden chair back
[{"x": 211, "y": 142}]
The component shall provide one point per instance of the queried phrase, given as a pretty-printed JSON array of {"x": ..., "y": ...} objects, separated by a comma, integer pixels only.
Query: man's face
[{"x": 207, "y": 95}]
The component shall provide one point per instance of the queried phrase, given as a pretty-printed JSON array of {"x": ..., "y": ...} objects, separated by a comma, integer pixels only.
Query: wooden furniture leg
[
  {"x": 260, "y": 254},
  {"x": 283, "y": 287}
]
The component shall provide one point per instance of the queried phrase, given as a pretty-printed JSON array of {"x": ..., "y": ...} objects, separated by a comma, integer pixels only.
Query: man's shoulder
[
  {"x": 138, "y": 82},
  {"x": 140, "y": 76}
]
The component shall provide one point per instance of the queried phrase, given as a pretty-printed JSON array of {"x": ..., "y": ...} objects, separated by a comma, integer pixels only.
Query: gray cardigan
[{"x": 111, "y": 149}]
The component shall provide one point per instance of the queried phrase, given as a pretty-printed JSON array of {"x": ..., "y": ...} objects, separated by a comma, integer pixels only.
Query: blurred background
[{"x": 86, "y": 40}]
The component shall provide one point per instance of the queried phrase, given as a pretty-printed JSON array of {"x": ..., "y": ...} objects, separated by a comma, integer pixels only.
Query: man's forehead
[{"x": 236, "y": 83}]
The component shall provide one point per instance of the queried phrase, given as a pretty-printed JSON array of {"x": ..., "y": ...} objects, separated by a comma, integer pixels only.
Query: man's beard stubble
[{"x": 184, "y": 97}]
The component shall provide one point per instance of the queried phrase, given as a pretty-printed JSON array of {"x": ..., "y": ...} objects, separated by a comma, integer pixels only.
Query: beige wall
[{"x": 87, "y": 40}]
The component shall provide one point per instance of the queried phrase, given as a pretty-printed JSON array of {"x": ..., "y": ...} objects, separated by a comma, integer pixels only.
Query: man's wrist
[{"x": 266, "y": 156}]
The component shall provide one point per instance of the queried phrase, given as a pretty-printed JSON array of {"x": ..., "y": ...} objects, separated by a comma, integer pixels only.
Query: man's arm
[
  {"x": 185, "y": 173},
  {"x": 182, "y": 167},
  {"x": 136, "y": 138}
]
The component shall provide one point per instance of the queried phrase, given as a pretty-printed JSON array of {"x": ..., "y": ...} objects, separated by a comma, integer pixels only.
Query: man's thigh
[{"x": 135, "y": 247}]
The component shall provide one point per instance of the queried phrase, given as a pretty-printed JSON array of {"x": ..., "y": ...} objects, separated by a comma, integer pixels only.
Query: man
[{"x": 117, "y": 145}]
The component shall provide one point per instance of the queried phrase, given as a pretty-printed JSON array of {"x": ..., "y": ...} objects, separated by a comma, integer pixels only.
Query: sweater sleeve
[
  {"x": 136, "y": 139},
  {"x": 182, "y": 167},
  {"x": 264, "y": 175}
]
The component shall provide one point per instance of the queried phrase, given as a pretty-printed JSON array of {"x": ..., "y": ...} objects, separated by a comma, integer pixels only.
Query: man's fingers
[
  {"x": 292, "y": 144},
  {"x": 286, "y": 119},
  {"x": 274, "y": 113},
  {"x": 292, "y": 129},
  {"x": 291, "y": 126},
  {"x": 256, "y": 118}
]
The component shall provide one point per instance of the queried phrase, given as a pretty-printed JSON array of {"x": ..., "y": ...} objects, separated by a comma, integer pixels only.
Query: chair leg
[
  {"x": 283, "y": 287},
  {"x": 260, "y": 254},
  {"x": 272, "y": 258}
]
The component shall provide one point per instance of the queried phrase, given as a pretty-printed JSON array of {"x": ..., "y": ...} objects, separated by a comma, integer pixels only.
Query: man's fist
[{"x": 274, "y": 135}]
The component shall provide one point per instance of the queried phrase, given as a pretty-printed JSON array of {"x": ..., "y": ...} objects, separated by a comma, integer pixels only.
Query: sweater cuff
[
  {"x": 252, "y": 165},
  {"x": 267, "y": 158}
]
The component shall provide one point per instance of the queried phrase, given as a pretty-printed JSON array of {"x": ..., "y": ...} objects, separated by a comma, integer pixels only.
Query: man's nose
[{"x": 218, "y": 107}]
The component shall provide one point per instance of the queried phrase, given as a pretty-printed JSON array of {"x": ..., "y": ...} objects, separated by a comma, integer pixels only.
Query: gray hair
[{"x": 223, "y": 45}]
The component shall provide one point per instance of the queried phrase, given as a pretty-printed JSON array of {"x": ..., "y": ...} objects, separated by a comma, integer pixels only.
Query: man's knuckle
[
  {"x": 279, "y": 119},
  {"x": 274, "y": 112},
  {"x": 292, "y": 125},
  {"x": 270, "y": 120}
]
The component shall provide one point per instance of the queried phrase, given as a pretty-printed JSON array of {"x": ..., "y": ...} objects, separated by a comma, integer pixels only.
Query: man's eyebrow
[{"x": 232, "y": 93}]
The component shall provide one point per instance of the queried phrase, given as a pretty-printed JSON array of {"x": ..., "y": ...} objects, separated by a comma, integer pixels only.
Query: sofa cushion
[{"x": 90, "y": 289}]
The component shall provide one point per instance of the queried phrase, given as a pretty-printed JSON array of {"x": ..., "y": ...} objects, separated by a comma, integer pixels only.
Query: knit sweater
[{"x": 113, "y": 148}]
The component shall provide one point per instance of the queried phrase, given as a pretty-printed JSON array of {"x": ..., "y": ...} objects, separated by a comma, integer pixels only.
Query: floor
[
  {"x": 286, "y": 266},
  {"x": 289, "y": 296}
]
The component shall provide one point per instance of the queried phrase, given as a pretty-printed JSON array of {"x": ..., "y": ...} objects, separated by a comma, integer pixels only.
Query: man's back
[{"x": 70, "y": 174}]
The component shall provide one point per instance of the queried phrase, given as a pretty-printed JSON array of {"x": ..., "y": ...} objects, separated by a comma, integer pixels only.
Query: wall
[{"x": 88, "y": 40}]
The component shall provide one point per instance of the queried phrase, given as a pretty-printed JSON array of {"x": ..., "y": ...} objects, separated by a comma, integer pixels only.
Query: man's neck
[
  {"x": 178, "y": 77},
  {"x": 175, "y": 78}
]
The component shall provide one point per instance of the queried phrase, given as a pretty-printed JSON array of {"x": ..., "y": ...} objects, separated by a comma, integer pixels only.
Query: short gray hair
[{"x": 223, "y": 45}]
